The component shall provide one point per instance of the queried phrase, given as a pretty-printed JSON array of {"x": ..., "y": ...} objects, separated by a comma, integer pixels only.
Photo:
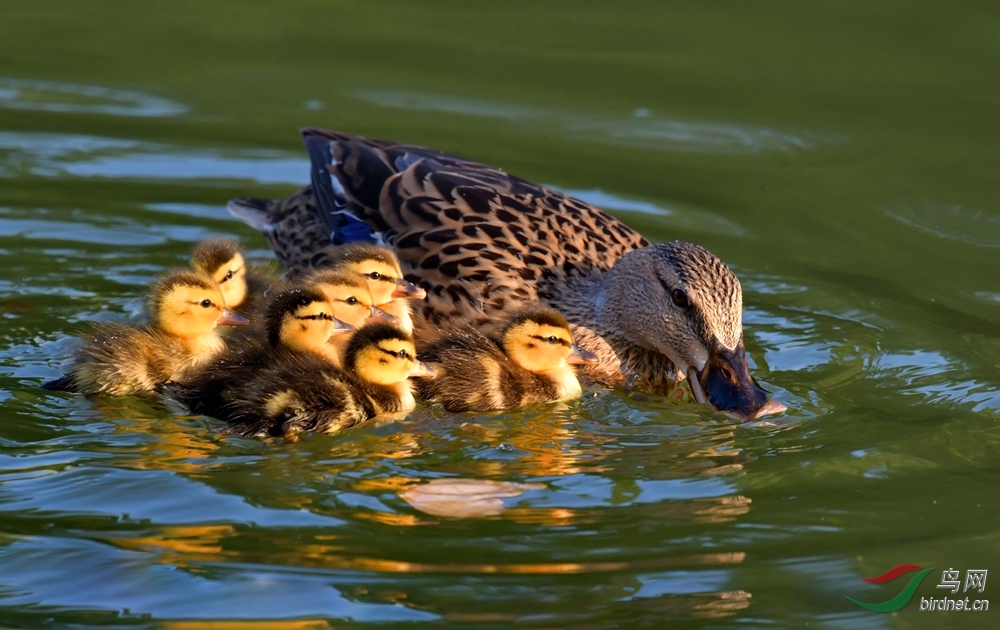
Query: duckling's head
[
  {"x": 350, "y": 297},
  {"x": 382, "y": 353},
  {"x": 189, "y": 304},
  {"x": 381, "y": 269},
  {"x": 539, "y": 340},
  {"x": 223, "y": 260},
  {"x": 302, "y": 319},
  {"x": 681, "y": 300}
]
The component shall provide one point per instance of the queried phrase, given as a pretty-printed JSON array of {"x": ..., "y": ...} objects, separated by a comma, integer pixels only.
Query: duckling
[
  {"x": 350, "y": 297},
  {"x": 380, "y": 267},
  {"x": 223, "y": 260},
  {"x": 530, "y": 362},
  {"x": 122, "y": 360},
  {"x": 306, "y": 394},
  {"x": 484, "y": 243},
  {"x": 297, "y": 320}
]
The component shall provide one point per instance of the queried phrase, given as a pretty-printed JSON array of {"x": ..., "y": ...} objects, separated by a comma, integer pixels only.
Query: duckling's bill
[
  {"x": 580, "y": 356},
  {"x": 408, "y": 291},
  {"x": 229, "y": 318},
  {"x": 422, "y": 370},
  {"x": 378, "y": 315}
]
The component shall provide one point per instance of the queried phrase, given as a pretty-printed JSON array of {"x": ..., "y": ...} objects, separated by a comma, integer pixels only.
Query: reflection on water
[
  {"x": 640, "y": 130},
  {"x": 70, "y": 98},
  {"x": 956, "y": 222},
  {"x": 51, "y": 155}
]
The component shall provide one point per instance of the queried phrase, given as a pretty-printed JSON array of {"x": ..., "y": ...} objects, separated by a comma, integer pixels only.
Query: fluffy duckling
[
  {"x": 350, "y": 297},
  {"x": 122, "y": 360},
  {"x": 381, "y": 269},
  {"x": 223, "y": 260},
  {"x": 296, "y": 321},
  {"x": 530, "y": 362},
  {"x": 310, "y": 395}
]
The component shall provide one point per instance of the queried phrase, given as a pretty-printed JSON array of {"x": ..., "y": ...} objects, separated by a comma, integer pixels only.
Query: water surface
[{"x": 841, "y": 157}]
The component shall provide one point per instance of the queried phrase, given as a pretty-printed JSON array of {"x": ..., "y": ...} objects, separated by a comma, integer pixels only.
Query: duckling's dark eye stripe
[
  {"x": 385, "y": 278},
  {"x": 559, "y": 340},
  {"x": 392, "y": 353},
  {"x": 328, "y": 318}
]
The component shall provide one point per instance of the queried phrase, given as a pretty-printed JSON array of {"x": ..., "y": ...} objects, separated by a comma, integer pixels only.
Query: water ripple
[{"x": 73, "y": 98}]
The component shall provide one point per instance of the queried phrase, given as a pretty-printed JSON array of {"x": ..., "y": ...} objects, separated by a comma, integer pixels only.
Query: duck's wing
[{"x": 477, "y": 238}]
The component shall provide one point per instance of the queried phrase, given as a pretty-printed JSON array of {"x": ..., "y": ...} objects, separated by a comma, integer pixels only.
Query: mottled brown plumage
[
  {"x": 122, "y": 360},
  {"x": 484, "y": 243},
  {"x": 304, "y": 394}
]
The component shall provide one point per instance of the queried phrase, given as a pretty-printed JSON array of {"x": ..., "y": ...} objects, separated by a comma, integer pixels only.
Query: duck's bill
[
  {"x": 580, "y": 356},
  {"x": 726, "y": 384},
  {"x": 230, "y": 318},
  {"x": 341, "y": 327},
  {"x": 408, "y": 291},
  {"x": 378, "y": 315},
  {"x": 422, "y": 370}
]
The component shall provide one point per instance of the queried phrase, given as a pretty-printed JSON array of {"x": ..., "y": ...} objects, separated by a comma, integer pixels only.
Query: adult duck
[{"x": 484, "y": 243}]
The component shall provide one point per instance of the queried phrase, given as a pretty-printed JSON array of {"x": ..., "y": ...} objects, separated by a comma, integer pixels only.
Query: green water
[{"x": 840, "y": 156}]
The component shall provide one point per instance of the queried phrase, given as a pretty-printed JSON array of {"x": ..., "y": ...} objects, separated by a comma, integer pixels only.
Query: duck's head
[
  {"x": 681, "y": 300},
  {"x": 380, "y": 267},
  {"x": 302, "y": 319},
  {"x": 223, "y": 260},
  {"x": 539, "y": 340},
  {"x": 189, "y": 304},
  {"x": 350, "y": 297},
  {"x": 384, "y": 354}
]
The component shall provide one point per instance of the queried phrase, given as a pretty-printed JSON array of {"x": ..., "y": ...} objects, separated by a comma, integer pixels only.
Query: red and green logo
[{"x": 904, "y": 596}]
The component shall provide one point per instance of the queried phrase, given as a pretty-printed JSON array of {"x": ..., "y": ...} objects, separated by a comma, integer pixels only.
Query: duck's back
[
  {"x": 479, "y": 240},
  {"x": 474, "y": 374}
]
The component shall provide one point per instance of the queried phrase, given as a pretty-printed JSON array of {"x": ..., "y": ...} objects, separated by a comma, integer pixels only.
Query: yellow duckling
[
  {"x": 380, "y": 267},
  {"x": 296, "y": 321},
  {"x": 350, "y": 296},
  {"x": 122, "y": 360},
  {"x": 529, "y": 363},
  {"x": 306, "y": 394},
  {"x": 223, "y": 260}
]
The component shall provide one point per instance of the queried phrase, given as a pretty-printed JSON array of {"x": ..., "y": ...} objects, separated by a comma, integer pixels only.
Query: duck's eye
[
  {"x": 374, "y": 275},
  {"x": 403, "y": 354},
  {"x": 680, "y": 298},
  {"x": 553, "y": 339},
  {"x": 229, "y": 276},
  {"x": 206, "y": 303},
  {"x": 352, "y": 300}
]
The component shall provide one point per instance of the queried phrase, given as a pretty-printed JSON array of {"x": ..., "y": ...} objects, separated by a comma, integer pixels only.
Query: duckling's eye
[
  {"x": 206, "y": 303},
  {"x": 552, "y": 339},
  {"x": 352, "y": 300},
  {"x": 402, "y": 354},
  {"x": 374, "y": 275},
  {"x": 680, "y": 298},
  {"x": 229, "y": 275}
]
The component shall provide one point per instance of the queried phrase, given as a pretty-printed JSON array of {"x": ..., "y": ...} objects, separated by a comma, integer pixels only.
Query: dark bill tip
[{"x": 729, "y": 387}]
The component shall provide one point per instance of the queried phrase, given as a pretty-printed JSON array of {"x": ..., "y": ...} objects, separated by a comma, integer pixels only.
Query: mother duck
[{"x": 483, "y": 243}]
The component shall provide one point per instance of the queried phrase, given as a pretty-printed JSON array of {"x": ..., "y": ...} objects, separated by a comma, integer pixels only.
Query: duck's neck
[{"x": 621, "y": 361}]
